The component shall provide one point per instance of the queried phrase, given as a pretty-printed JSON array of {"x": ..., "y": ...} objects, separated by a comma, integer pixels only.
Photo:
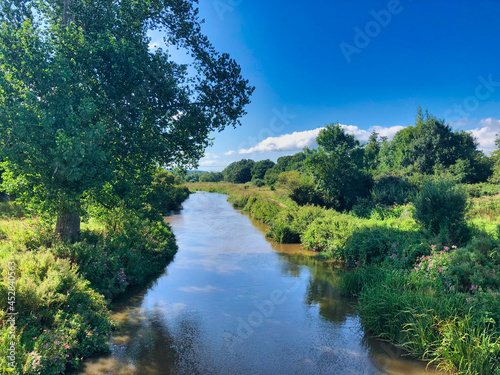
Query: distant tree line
[{"x": 345, "y": 174}]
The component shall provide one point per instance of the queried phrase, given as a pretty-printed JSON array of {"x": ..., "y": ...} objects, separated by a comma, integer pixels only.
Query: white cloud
[
  {"x": 207, "y": 162},
  {"x": 209, "y": 155},
  {"x": 230, "y": 152},
  {"x": 298, "y": 140},
  {"x": 285, "y": 142},
  {"x": 486, "y": 134}
]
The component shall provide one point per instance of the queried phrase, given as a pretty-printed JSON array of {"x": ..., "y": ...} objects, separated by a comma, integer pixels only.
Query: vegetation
[
  {"x": 89, "y": 112},
  {"x": 89, "y": 116}
]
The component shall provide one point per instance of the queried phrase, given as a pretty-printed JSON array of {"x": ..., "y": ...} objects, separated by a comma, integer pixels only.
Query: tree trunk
[{"x": 68, "y": 226}]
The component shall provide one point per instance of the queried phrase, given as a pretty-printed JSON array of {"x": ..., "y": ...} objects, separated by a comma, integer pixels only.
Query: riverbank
[
  {"x": 439, "y": 301},
  {"x": 60, "y": 294}
]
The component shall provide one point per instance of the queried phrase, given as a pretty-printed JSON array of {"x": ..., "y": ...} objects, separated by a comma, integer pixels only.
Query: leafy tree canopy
[
  {"x": 239, "y": 172},
  {"x": 261, "y": 167},
  {"x": 336, "y": 168},
  {"x": 431, "y": 145},
  {"x": 86, "y": 105}
]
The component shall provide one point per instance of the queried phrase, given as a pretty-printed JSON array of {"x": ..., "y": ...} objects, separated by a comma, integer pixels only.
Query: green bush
[
  {"x": 374, "y": 244},
  {"x": 293, "y": 221},
  {"x": 300, "y": 188},
  {"x": 60, "y": 318},
  {"x": 127, "y": 257},
  {"x": 481, "y": 189},
  {"x": 262, "y": 209},
  {"x": 441, "y": 206},
  {"x": 389, "y": 190},
  {"x": 330, "y": 233}
]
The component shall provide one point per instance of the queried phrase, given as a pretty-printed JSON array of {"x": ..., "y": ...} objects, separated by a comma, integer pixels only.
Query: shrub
[
  {"x": 292, "y": 222},
  {"x": 481, "y": 189},
  {"x": 330, "y": 233},
  {"x": 388, "y": 190},
  {"x": 299, "y": 187},
  {"x": 127, "y": 257},
  {"x": 60, "y": 318},
  {"x": 441, "y": 206},
  {"x": 374, "y": 244},
  {"x": 262, "y": 209}
]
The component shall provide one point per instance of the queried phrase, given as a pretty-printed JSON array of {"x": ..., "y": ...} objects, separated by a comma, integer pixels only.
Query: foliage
[
  {"x": 299, "y": 187},
  {"x": 289, "y": 225},
  {"x": 481, "y": 189},
  {"x": 336, "y": 168},
  {"x": 442, "y": 206},
  {"x": 375, "y": 244},
  {"x": 260, "y": 168},
  {"x": 239, "y": 172},
  {"x": 168, "y": 192},
  {"x": 87, "y": 105},
  {"x": 129, "y": 256},
  {"x": 60, "y": 318},
  {"x": 330, "y": 233},
  {"x": 262, "y": 209},
  {"x": 389, "y": 189},
  {"x": 210, "y": 177},
  {"x": 431, "y": 145},
  {"x": 284, "y": 164}
]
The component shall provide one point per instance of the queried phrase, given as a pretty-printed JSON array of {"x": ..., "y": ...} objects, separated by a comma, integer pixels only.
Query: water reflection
[{"x": 233, "y": 302}]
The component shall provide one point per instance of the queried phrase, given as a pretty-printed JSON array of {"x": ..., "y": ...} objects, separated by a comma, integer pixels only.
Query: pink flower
[{"x": 446, "y": 248}]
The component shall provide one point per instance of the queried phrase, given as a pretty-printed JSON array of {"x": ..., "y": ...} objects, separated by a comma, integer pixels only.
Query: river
[{"x": 233, "y": 302}]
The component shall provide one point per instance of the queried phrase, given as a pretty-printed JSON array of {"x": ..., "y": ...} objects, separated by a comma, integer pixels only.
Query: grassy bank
[
  {"x": 63, "y": 291},
  {"x": 435, "y": 297}
]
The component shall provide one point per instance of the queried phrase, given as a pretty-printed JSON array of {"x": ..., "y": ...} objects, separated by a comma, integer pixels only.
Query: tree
[
  {"x": 239, "y": 172},
  {"x": 261, "y": 167},
  {"x": 86, "y": 104},
  {"x": 372, "y": 150},
  {"x": 211, "y": 177},
  {"x": 430, "y": 146},
  {"x": 284, "y": 164},
  {"x": 336, "y": 167}
]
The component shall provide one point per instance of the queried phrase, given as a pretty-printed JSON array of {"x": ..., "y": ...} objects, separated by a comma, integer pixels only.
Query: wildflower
[
  {"x": 454, "y": 247},
  {"x": 433, "y": 246},
  {"x": 446, "y": 248}
]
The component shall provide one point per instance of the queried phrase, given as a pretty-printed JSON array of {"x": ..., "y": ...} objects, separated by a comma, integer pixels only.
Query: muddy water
[{"x": 233, "y": 302}]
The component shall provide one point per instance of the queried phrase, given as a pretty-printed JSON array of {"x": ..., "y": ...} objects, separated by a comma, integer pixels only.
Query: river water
[{"x": 233, "y": 302}]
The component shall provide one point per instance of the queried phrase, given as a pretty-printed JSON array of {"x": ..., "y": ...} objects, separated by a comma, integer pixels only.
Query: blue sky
[{"x": 365, "y": 64}]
